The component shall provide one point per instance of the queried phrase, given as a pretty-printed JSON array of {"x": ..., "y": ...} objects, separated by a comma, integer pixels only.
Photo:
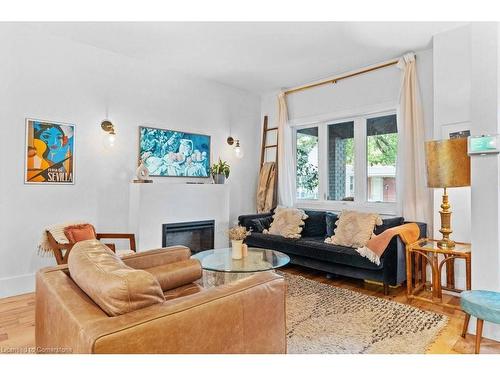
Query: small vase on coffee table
[{"x": 237, "y": 249}]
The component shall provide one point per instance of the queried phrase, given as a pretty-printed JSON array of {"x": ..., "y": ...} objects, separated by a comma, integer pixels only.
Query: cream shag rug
[{"x": 325, "y": 319}]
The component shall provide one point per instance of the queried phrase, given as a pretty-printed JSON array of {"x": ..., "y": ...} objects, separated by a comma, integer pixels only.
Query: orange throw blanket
[{"x": 376, "y": 246}]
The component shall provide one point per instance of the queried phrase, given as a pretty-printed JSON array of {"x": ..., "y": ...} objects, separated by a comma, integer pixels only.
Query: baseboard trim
[{"x": 12, "y": 286}]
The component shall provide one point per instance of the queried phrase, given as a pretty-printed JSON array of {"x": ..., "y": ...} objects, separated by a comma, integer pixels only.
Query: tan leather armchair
[{"x": 247, "y": 316}]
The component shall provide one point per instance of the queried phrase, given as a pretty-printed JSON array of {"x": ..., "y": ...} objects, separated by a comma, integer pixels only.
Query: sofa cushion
[
  {"x": 260, "y": 224},
  {"x": 331, "y": 220},
  {"x": 315, "y": 224},
  {"x": 354, "y": 228},
  {"x": 245, "y": 220},
  {"x": 314, "y": 248},
  {"x": 115, "y": 287},
  {"x": 287, "y": 222},
  {"x": 388, "y": 223}
]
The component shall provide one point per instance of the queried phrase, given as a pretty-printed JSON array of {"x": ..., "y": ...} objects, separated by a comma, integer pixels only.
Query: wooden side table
[{"x": 424, "y": 251}]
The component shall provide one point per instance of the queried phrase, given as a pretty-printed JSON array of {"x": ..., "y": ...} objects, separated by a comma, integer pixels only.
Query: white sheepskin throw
[{"x": 287, "y": 222}]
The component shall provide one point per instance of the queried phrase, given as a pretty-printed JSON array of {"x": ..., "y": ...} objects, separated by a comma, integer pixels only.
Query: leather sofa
[
  {"x": 311, "y": 251},
  {"x": 247, "y": 316}
]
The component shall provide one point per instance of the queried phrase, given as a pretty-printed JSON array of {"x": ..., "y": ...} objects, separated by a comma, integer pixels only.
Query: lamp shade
[{"x": 448, "y": 164}]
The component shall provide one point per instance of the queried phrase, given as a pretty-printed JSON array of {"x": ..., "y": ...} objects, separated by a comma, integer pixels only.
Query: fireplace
[{"x": 197, "y": 235}]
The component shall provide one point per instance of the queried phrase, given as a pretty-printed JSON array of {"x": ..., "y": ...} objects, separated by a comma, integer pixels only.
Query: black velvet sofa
[{"x": 311, "y": 250}]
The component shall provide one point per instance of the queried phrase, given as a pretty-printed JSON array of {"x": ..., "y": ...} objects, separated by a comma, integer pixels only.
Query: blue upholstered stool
[{"x": 484, "y": 305}]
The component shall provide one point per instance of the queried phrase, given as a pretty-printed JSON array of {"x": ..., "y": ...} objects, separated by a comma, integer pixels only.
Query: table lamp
[{"x": 448, "y": 165}]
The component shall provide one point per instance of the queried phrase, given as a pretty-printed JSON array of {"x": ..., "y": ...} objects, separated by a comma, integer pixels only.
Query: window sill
[{"x": 380, "y": 208}]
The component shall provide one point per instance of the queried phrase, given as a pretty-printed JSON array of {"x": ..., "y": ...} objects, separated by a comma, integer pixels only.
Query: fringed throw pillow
[
  {"x": 354, "y": 229},
  {"x": 287, "y": 222}
]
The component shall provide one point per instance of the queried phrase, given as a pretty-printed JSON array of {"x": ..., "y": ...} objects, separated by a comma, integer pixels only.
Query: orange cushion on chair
[{"x": 80, "y": 232}]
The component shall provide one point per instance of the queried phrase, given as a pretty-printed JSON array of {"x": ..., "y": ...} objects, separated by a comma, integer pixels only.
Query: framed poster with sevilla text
[{"x": 49, "y": 152}]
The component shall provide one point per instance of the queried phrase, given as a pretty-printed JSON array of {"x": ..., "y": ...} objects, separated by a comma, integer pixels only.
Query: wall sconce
[
  {"x": 110, "y": 136},
  {"x": 238, "y": 151}
]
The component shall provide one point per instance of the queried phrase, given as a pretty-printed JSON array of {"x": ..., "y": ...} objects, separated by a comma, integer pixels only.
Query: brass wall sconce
[
  {"x": 110, "y": 137},
  {"x": 238, "y": 151}
]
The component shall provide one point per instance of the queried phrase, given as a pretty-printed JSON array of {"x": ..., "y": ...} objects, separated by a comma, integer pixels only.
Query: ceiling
[{"x": 256, "y": 56}]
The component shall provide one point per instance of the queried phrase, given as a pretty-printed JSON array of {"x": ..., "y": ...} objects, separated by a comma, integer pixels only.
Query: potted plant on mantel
[{"x": 220, "y": 171}]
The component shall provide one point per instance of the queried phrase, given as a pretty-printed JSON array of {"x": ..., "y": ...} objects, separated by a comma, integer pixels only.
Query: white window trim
[{"x": 359, "y": 117}]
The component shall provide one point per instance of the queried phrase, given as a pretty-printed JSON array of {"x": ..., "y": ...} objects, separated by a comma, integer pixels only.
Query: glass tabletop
[
  {"x": 258, "y": 260},
  {"x": 432, "y": 245}
]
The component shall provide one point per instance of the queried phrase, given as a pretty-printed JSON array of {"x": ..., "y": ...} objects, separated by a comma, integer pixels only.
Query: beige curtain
[
  {"x": 286, "y": 160},
  {"x": 266, "y": 189},
  {"x": 414, "y": 196}
]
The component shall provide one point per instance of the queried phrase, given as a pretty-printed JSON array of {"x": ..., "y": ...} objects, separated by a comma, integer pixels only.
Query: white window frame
[{"x": 359, "y": 117}]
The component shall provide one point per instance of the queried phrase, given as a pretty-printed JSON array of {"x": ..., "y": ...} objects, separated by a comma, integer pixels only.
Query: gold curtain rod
[{"x": 336, "y": 79}]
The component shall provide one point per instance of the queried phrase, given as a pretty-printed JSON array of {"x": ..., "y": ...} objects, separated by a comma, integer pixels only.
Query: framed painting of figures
[
  {"x": 172, "y": 153},
  {"x": 49, "y": 152}
]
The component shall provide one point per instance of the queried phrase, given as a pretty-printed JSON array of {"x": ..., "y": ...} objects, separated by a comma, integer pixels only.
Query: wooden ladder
[
  {"x": 265, "y": 147},
  {"x": 267, "y": 154}
]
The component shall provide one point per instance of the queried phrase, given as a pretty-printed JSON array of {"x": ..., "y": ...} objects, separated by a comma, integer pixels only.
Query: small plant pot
[
  {"x": 237, "y": 249},
  {"x": 219, "y": 179}
]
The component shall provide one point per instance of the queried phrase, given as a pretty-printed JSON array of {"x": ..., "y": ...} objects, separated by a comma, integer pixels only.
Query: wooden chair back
[{"x": 61, "y": 251}]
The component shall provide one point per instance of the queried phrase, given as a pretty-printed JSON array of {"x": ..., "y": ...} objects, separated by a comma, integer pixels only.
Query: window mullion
[
  {"x": 323, "y": 160},
  {"x": 360, "y": 160}
]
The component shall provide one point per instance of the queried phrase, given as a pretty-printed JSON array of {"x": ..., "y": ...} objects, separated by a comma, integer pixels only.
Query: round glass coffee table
[{"x": 220, "y": 268}]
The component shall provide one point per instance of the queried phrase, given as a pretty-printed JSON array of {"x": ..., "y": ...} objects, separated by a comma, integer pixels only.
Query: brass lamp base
[
  {"x": 445, "y": 242},
  {"x": 446, "y": 245}
]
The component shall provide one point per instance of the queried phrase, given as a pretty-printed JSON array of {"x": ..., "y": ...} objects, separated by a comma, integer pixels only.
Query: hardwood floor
[
  {"x": 17, "y": 317},
  {"x": 17, "y": 323}
]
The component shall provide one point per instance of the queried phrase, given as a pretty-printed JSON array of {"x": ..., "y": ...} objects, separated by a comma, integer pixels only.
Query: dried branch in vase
[{"x": 238, "y": 233}]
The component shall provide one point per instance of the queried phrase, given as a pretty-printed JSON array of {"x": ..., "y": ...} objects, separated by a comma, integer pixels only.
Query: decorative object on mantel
[
  {"x": 172, "y": 153},
  {"x": 110, "y": 137},
  {"x": 237, "y": 234},
  {"x": 220, "y": 171},
  {"x": 448, "y": 165},
  {"x": 142, "y": 173},
  {"x": 238, "y": 151},
  {"x": 49, "y": 152}
]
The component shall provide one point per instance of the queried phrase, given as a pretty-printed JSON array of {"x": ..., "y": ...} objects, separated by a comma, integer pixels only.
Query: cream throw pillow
[
  {"x": 287, "y": 222},
  {"x": 354, "y": 229}
]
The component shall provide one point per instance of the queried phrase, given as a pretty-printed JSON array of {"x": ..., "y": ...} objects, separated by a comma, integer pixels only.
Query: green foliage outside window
[
  {"x": 307, "y": 173},
  {"x": 382, "y": 149}
]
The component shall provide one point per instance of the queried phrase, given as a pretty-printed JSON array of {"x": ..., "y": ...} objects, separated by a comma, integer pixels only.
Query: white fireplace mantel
[{"x": 152, "y": 205}]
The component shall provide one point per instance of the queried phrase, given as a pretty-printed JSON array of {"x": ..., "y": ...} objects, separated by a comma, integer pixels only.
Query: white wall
[
  {"x": 56, "y": 79},
  {"x": 466, "y": 81},
  {"x": 485, "y": 173},
  {"x": 452, "y": 112}
]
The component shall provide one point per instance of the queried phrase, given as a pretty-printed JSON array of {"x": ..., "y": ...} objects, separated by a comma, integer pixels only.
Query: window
[
  {"x": 348, "y": 164},
  {"x": 307, "y": 164},
  {"x": 381, "y": 153},
  {"x": 341, "y": 161}
]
